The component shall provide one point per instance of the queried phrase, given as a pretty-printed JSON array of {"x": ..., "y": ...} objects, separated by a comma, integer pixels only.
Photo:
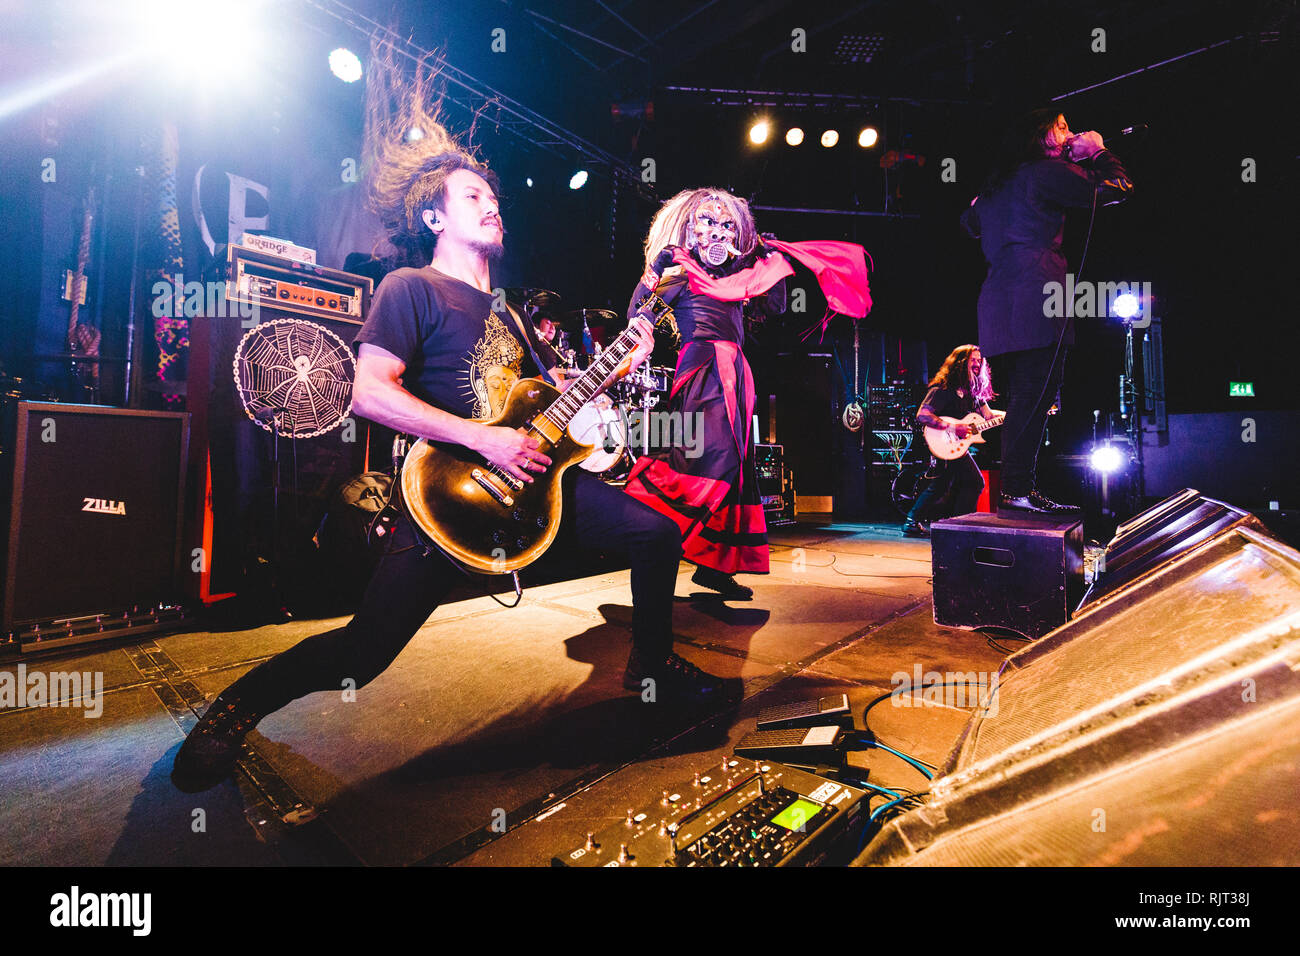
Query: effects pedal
[
  {"x": 741, "y": 813},
  {"x": 807, "y": 713},
  {"x": 801, "y": 745}
]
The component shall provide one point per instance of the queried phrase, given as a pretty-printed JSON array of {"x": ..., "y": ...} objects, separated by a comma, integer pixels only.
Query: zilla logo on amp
[{"x": 104, "y": 506}]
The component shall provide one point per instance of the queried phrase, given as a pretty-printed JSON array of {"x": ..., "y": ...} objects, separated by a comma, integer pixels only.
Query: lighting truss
[{"x": 477, "y": 98}]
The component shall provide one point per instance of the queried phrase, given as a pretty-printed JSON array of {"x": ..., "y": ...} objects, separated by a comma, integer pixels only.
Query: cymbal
[
  {"x": 539, "y": 299},
  {"x": 600, "y": 318}
]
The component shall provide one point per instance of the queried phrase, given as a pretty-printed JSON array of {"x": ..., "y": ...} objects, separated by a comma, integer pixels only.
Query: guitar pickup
[{"x": 493, "y": 486}]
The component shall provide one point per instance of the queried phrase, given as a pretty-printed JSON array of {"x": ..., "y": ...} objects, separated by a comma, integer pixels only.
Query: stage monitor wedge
[
  {"x": 1194, "y": 659},
  {"x": 1153, "y": 538}
]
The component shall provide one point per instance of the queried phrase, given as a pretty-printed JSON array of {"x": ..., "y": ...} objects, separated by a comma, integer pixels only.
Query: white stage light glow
[
  {"x": 345, "y": 65},
  {"x": 1106, "y": 459},
  {"x": 1125, "y": 306}
]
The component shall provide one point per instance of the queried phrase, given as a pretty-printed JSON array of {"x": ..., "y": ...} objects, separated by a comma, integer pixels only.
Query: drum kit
[{"x": 605, "y": 421}]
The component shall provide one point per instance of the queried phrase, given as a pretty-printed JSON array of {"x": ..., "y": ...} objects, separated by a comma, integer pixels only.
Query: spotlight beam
[{"x": 16, "y": 99}]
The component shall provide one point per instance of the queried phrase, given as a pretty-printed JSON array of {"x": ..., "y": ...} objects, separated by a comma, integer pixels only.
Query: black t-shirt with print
[
  {"x": 460, "y": 355},
  {"x": 946, "y": 401}
]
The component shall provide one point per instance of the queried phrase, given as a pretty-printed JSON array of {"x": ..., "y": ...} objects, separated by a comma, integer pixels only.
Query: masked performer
[{"x": 704, "y": 259}]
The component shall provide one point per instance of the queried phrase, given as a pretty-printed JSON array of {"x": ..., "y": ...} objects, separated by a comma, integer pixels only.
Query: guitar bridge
[{"x": 493, "y": 486}]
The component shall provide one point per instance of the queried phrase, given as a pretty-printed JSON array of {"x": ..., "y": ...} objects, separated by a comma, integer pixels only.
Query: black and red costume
[{"x": 713, "y": 496}]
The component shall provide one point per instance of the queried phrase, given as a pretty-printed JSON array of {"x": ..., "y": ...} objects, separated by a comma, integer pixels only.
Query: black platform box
[{"x": 1023, "y": 572}]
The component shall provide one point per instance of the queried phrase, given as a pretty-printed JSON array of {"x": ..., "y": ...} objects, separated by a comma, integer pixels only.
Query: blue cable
[{"x": 912, "y": 760}]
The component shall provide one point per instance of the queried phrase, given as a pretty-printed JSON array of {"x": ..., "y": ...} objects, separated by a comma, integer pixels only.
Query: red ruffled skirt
[{"x": 710, "y": 490}]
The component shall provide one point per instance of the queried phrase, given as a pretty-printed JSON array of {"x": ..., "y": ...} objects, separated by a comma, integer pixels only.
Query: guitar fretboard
[{"x": 562, "y": 410}]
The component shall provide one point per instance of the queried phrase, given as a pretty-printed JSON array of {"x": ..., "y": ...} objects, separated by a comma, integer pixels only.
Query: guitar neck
[
  {"x": 585, "y": 387},
  {"x": 989, "y": 423}
]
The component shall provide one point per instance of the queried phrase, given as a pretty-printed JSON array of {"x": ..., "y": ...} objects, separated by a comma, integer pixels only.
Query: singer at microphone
[{"x": 1042, "y": 170}]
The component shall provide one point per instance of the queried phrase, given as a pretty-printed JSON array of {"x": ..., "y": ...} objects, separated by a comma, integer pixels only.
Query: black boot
[
  {"x": 1036, "y": 503},
  {"x": 212, "y": 748},
  {"x": 724, "y": 584},
  {"x": 677, "y": 680},
  {"x": 915, "y": 529}
]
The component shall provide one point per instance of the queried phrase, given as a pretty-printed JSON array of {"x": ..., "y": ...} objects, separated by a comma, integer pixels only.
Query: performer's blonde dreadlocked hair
[{"x": 404, "y": 175}]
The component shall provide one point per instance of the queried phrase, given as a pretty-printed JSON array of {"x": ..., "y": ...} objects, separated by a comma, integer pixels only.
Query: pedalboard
[{"x": 738, "y": 813}]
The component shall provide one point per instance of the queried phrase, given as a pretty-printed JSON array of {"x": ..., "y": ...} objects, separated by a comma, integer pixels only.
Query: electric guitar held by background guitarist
[
  {"x": 954, "y": 414},
  {"x": 955, "y": 437}
]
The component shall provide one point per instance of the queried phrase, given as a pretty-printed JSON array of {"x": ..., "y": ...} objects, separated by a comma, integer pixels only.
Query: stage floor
[{"x": 489, "y": 718}]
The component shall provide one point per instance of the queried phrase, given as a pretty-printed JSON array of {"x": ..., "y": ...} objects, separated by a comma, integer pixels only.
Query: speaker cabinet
[
  {"x": 1022, "y": 573},
  {"x": 269, "y": 492},
  {"x": 1151, "y": 539},
  {"x": 96, "y": 511},
  {"x": 1158, "y": 727}
]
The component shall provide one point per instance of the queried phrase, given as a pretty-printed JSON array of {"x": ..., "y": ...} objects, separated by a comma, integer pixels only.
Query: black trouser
[
  {"x": 1033, "y": 380},
  {"x": 959, "y": 481},
  {"x": 409, "y": 584}
]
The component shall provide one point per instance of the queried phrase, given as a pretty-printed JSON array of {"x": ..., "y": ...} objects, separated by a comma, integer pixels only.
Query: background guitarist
[
  {"x": 963, "y": 384},
  {"x": 433, "y": 356}
]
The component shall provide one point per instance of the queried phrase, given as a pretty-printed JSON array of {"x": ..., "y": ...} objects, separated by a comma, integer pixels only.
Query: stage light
[
  {"x": 794, "y": 136},
  {"x": 170, "y": 32},
  {"x": 414, "y": 133},
  {"x": 830, "y": 138},
  {"x": 758, "y": 132},
  {"x": 1106, "y": 459},
  {"x": 1125, "y": 306},
  {"x": 867, "y": 138},
  {"x": 578, "y": 180},
  {"x": 529, "y": 182},
  {"x": 345, "y": 65}
]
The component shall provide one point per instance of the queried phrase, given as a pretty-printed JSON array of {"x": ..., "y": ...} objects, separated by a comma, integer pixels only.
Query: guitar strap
[{"x": 528, "y": 341}]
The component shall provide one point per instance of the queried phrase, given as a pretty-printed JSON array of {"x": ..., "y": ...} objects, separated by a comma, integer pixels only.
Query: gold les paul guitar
[{"x": 482, "y": 515}]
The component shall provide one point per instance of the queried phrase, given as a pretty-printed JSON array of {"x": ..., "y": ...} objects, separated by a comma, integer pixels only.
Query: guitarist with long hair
[
  {"x": 433, "y": 356},
  {"x": 963, "y": 384}
]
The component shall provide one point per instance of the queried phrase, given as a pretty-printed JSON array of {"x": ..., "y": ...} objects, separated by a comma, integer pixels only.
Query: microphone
[{"x": 268, "y": 414}]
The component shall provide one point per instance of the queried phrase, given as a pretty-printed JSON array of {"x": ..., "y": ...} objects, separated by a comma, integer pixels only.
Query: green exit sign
[{"x": 1241, "y": 389}]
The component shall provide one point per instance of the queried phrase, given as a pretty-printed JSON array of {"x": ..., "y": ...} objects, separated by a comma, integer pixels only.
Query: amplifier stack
[
  {"x": 775, "y": 485},
  {"x": 270, "y": 480}
]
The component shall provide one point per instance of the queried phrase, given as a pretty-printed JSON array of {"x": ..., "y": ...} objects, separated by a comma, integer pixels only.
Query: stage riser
[{"x": 1022, "y": 573}]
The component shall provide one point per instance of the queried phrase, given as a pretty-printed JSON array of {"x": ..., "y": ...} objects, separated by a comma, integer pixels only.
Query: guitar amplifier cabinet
[
  {"x": 96, "y": 511},
  {"x": 1024, "y": 573},
  {"x": 775, "y": 488},
  {"x": 266, "y": 495}
]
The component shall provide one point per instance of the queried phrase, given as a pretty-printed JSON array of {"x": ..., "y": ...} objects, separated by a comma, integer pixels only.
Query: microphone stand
[{"x": 281, "y": 611}]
